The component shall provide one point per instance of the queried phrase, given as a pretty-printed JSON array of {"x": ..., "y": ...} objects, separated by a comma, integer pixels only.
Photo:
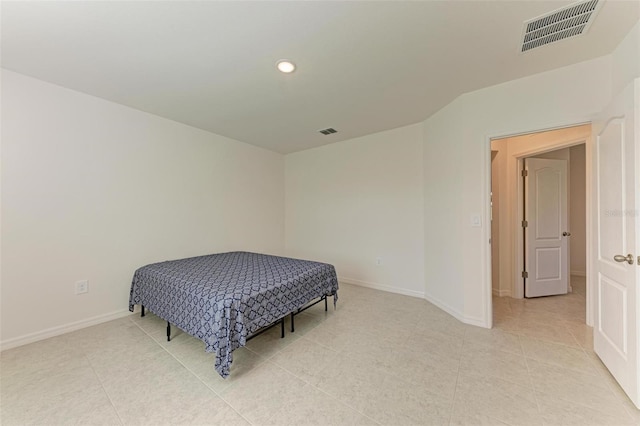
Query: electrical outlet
[
  {"x": 378, "y": 261},
  {"x": 82, "y": 287}
]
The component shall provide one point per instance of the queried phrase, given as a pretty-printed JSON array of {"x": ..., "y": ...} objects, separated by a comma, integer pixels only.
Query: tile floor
[{"x": 379, "y": 359}]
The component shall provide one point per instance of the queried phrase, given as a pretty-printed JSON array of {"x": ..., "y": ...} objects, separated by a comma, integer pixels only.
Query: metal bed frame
[{"x": 268, "y": 327}]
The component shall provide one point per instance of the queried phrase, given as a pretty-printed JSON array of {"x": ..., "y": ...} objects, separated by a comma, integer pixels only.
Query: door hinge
[
  {"x": 525, "y": 173},
  {"x": 525, "y": 274},
  {"x": 525, "y": 223}
]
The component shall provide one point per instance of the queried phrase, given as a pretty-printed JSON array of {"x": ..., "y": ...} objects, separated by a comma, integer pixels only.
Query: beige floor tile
[
  {"x": 167, "y": 393},
  {"x": 632, "y": 410},
  {"x": 581, "y": 332},
  {"x": 498, "y": 339},
  {"x": 493, "y": 362},
  {"x": 597, "y": 363},
  {"x": 88, "y": 406},
  {"x": 334, "y": 334},
  {"x": 574, "y": 386},
  {"x": 186, "y": 348},
  {"x": 379, "y": 358},
  {"x": 548, "y": 332},
  {"x": 191, "y": 352},
  {"x": 395, "y": 334},
  {"x": 33, "y": 386},
  {"x": 303, "y": 358},
  {"x": 244, "y": 361},
  {"x": 502, "y": 310},
  {"x": 311, "y": 406},
  {"x": 553, "y": 318},
  {"x": 262, "y": 392},
  {"x": 380, "y": 396},
  {"x": 558, "y": 412},
  {"x": 495, "y": 398},
  {"x": 370, "y": 346},
  {"x": 122, "y": 363},
  {"x": 179, "y": 406},
  {"x": 158, "y": 372},
  {"x": 114, "y": 336},
  {"x": 500, "y": 299},
  {"x": 557, "y": 354},
  {"x": 436, "y": 343},
  {"x": 443, "y": 324},
  {"x": 435, "y": 356},
  {"x": 352, "y": 381},
  {"x": 360, "y": 321},
  {"x": 111, "y": 330},
  {"x": 395, "y": 403},
  {"x": 474, "y": 420},
  {"x": 270, "y": 342},
  {"x": 431, "y": 372},
  {"x": 150, "y": 323},
  {"x": 54, "y": 353},
  {"x": 509, "y": 324}
]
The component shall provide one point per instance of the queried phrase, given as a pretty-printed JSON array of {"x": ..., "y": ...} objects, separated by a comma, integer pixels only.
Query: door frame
[{"x": 514, "y": 166}]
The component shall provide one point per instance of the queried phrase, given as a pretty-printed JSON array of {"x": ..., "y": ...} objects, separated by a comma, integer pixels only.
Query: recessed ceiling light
[{"x": 286, "y": 66}]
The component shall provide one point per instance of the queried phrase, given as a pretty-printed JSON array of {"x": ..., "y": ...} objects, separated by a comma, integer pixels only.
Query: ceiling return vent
[
  {"x": 569, "y": 21},
  {"x": 328, "y": 131}
]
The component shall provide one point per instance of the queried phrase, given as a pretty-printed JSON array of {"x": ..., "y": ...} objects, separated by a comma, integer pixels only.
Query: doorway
[{"x": 508, "y": 210}]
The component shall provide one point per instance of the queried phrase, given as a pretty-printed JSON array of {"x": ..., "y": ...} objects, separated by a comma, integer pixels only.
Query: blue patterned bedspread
[{"x": 224, "y": 298}]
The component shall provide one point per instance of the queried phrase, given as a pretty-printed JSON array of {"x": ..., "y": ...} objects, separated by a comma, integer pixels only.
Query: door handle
[
  {"x": 620, "y": 258},
  {"x": 566, "y": 234}
]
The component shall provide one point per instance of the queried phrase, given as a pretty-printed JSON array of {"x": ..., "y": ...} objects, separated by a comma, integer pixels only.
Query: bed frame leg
[
  {"x": 292, "y": 327},
  {"x": 282, "y": 328},
  {"x": 142, "y": 313},
  {"x": 168, "y": 331},
  {"x": 325, "y": 303}
]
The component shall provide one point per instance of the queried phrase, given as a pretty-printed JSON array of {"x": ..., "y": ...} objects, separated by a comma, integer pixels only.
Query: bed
[{"x": 225, "y": 299}]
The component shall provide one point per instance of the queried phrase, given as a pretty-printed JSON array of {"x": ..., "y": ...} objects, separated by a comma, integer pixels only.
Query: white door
[
  {"x": 546, "y": 235},
  {"x": 615, "y": 258}
]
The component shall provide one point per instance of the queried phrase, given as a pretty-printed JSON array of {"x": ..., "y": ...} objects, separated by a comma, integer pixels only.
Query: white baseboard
[
  {"x": 375, "y": 286},
  {"x": 501, "y": 293},
  {"x": 479, "y": 322},
  {"x": 579, "y": 273},
  {"x": 445, "y": 307},
  {"x": 62, "y": 329}
]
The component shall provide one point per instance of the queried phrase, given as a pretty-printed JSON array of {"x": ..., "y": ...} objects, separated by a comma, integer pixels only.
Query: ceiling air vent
[
  {"x": 566, "y": 22},
  {"x": 328, "y": 131}
]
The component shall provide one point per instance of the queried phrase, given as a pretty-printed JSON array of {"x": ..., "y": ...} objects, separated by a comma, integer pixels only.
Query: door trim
[{"x": 514, "y": 165}]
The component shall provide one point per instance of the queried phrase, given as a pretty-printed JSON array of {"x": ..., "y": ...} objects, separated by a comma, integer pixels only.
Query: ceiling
[{"x": 363, "y": 67}]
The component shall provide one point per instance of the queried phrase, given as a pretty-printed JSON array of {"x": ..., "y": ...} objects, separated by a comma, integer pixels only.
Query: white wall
[
  {"x": 457, "y": 171},
  {"x": 626, "y": 60},
  {"x": 93, "y": 190},
  {"x": 348, "y": 203}
]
